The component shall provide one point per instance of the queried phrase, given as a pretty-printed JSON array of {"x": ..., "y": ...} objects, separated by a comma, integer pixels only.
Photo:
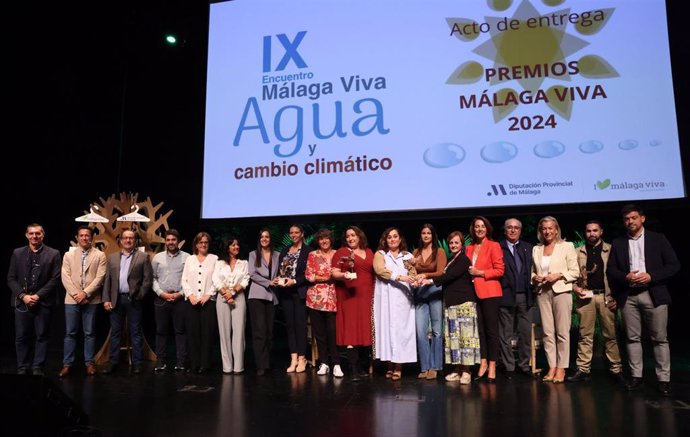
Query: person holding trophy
[
  {"x": 354, "y": 287},
  {"x": 395, "y": 339},
  {"x": 291, "y": 285}
]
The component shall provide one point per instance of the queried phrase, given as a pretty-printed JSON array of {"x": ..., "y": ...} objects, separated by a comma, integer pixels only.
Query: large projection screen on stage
[{"x": 354, "y": 106}]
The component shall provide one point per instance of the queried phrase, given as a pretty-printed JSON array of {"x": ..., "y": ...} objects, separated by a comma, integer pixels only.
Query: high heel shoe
[{"x": 481, "y": 375}]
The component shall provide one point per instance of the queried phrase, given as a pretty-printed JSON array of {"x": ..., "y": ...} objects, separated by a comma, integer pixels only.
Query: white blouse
[
  {"x": 225, "y": 276},
  {"x": 197, "y": 277}
]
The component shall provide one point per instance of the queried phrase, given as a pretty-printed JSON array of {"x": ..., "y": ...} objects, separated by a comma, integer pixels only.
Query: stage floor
[{"x": 305, "y": 405}]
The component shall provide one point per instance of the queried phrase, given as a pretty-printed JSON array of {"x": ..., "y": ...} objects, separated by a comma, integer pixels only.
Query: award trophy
[
  {"x": 347, "y": 265},
  {"x": 283, "y": 272},
  {"x": 582, "y": 281}
]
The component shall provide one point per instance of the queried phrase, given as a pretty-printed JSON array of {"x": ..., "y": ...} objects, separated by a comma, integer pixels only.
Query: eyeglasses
[{"x": 513, "y": 228}]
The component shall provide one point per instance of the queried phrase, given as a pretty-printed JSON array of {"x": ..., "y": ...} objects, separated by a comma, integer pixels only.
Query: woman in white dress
[
  {"x": 395, "y": 340},
  {"x": 230, "y": 278}
]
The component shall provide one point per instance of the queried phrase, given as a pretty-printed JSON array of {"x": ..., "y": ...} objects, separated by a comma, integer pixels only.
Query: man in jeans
[
  {"x": 83, "y": 273},
  {"x": 32, "y": 277}
]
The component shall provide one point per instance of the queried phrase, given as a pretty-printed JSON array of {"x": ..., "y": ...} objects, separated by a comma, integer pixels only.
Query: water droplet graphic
[
  {"x": 444, "y": 155},
  {"x": 655, "y": 143},
  {"x": 628, "y": 144},
  {"x": 591, "y": 146},
  {"x": 549, "y": 149},
  {"x": 500, "y": 151}
]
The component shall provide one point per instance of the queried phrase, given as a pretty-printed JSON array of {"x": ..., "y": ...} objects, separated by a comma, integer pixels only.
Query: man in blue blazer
[
  {"x": 517, "y": 298},
  {"x": 128, "y": 278},
  {"x": 33, "y": 276},
  {"x": 640, "y": 265}
]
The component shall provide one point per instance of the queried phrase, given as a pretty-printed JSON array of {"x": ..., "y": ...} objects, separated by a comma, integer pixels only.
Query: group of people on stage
[{"x": 456, "y": 309}]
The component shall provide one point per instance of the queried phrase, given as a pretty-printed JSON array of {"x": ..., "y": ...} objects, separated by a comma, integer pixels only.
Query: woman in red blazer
[{"x": 486, "y": 268}]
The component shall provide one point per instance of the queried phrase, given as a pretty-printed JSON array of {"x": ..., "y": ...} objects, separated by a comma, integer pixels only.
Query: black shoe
[
  {"x": 634, "y": 384},
  {"x": 161, "y": 367},
  {"x": 578, "y": 376},
  {"x": 37, "y": 371},
  {"x": 619, "y": 378},
  {"x": 664, "y": 388},
  {"x": 110, "y": 369},
  {"x": 179, "y": 368},
  {"x": 202, "y": 370},
  {"x": 136, "y": 369},
  {"x": 21, "y": 371},
  {"x": 524, "y": 372},
  {"x": 509, "y": 374},
  {"x": 260, "y": 372},
  {"x": 484, "y": 376}
]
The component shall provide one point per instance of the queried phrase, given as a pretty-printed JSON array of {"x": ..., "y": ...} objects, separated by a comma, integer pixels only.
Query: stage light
[{"x": 171, "y": 39}]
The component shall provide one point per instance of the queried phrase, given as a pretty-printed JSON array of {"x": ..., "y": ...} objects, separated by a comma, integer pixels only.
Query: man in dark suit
[
  {"x": 128, "y": 278},
  {"x": 33, "y": 276},
  {"x": 517, "y": 298},
  {"x": 640, "y": 265}
]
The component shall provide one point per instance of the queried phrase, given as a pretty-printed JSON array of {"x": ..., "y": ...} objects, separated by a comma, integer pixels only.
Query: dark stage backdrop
[{"x": 96, "y": 103}]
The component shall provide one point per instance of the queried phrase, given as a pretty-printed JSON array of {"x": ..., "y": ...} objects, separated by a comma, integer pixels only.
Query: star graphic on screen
[{"x": 530, "y": 47}]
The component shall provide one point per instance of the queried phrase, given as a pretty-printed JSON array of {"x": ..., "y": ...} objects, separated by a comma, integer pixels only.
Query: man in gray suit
[{"x": 128, "y": 278}]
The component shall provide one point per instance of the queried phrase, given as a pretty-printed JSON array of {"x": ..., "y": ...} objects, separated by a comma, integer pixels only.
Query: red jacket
[{"x": 490, "y": 260}]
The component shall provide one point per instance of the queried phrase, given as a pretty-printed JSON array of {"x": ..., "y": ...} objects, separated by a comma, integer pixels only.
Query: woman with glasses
[{"x": 200, "y": 296}]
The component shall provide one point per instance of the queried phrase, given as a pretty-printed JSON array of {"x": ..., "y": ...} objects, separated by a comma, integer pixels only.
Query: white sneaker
[
  {"x": 323, "y": 369},
  {"x": 337, "y": 371}
]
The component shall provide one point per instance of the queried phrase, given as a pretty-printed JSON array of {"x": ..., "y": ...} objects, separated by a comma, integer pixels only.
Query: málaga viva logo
[{"x": 637, "y": 185}]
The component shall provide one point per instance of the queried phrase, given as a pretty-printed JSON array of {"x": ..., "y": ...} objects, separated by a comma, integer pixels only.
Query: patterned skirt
[{"x": 461, "y": 334}]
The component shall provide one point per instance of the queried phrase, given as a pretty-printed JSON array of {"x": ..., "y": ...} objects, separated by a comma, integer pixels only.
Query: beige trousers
[
  {"x": 588, "y": 309},
  {"x": 555, "y": 310}
]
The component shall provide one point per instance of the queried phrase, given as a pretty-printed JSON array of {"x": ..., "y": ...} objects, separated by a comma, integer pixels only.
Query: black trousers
[
  {"x": 487, "y": 317},
  {"x": 200, "y": 322},
  {"x": 295, "y": 311},
  {"x": 261, "y": 316},
  {"x": 165, "y": 313},
  {"x": 323, "y": 328}
]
